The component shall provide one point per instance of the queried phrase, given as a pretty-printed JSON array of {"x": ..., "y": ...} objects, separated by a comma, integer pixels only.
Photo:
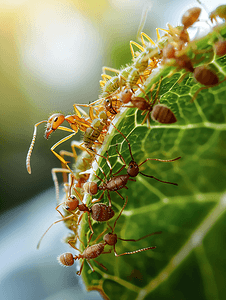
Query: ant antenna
[
  {"x": 126, "y": 140},
  {"x": 28, "y": 159}
]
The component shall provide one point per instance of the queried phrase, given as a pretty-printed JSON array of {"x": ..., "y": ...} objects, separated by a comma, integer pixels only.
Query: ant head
[
  {"x": 133, "y": 169},
  {"x": 110, "y": 239},
  {"x": 53, "y": 123},
  {"x": 71, "y": 203},
  {"x": 90, "y": 188},
  {"x": 66, "y": 259}
]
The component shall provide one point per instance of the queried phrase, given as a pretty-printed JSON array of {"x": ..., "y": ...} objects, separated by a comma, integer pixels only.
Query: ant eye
[
  {"x": 55, "y": 119},
  {"x": 72, "y": 197}
]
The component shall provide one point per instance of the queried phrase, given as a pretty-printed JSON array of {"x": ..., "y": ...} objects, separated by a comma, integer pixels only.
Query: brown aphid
[
  {"x": 190, "y": 17},
  {"x": 163, "y": 114},
  {"x": 205, "y": 76},
  {"x": 220, "y": 12},
  {"x": 220, "y": 48},
  {"x": 92, "y": 252}
]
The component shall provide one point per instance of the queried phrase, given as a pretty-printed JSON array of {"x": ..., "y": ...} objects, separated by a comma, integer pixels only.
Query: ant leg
[
  {"x": 89, "y": 263},
  {"x": 57, "y": 155},
  {"x": 99, "y": 199},
  {"x": 91, "y": 228},
  {"x": 55, "y": 180},
  {"x": 133, "y": 252},
  {"x": 109, "y": 198},
  {"x": 120, "y": 194},
  {"x": 78, "y": 194},
  {"x": 100, "y": 235},
  {"x": 121, "y": 159},
  {"x": 73, "y": 246},
  {"x": 100, "y": 263},
  {"x": 158, "y": 179},
  {"x": 102, "y": 173},
  {"x": 64, "y": 218},
  {"x": 119, "y": 214},
  {"x": 133, "y": 240},
  {"x": 157, "y": 159},
  {"x": 126, "y": 140},
  {"x": 79, "y": 272},
  {"x": 28, "y": 159}
]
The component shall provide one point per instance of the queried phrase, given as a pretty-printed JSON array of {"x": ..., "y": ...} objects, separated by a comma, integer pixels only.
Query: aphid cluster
[{"x": 118, "y": 91}]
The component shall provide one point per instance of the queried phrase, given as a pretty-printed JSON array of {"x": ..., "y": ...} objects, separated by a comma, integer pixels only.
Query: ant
[
  {"x": 76, "y": 122},
  {"x": 118, "y": 182},
  {"x": 99, "y": 212},
  {"x": 159, "y": 113},
  {"x": 92, "y": 252}
]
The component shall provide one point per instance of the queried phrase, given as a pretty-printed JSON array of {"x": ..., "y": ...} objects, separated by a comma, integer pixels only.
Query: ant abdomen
[
  {"x": 66, "y": 259},
  {"x": 101, "y": 212},
  {"x": 163, "y": 114},
  {"x": 93, "y": 251},
  {"x": 190, "y": 17}
]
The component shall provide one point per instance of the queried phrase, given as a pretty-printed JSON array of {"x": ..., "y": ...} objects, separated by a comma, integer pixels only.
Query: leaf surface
[{"x": 189, "y": 260}]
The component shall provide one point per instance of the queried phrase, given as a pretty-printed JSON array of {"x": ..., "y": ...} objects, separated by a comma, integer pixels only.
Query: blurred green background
[{"x": 51, "y": 55}]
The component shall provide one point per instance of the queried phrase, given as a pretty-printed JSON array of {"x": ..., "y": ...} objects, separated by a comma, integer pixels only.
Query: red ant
[
  {"x": 92, "y": 252},
  {"x": 118, "y": 182},
  {"x": 99, "y": 212},
  {"x": 159, "y": 113}
]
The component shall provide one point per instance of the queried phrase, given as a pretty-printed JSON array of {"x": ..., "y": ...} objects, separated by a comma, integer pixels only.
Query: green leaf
[{"x": 189, "y": 260}]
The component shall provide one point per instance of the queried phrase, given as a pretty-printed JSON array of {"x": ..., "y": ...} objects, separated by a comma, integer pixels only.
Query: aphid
[
  {"x": 92, "y": 134},
  {"x": 220, "y": 47},
  {"x": 190, "y": 17},
  {"x": 99, "y": 212},
  {"x": 220, "y": 12},
  {"x": 92, "y": 252},
  {"x": 205, "y": 76},
  {"x": 76, "y": 122},
  {"x": 118, "y": 182}
]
